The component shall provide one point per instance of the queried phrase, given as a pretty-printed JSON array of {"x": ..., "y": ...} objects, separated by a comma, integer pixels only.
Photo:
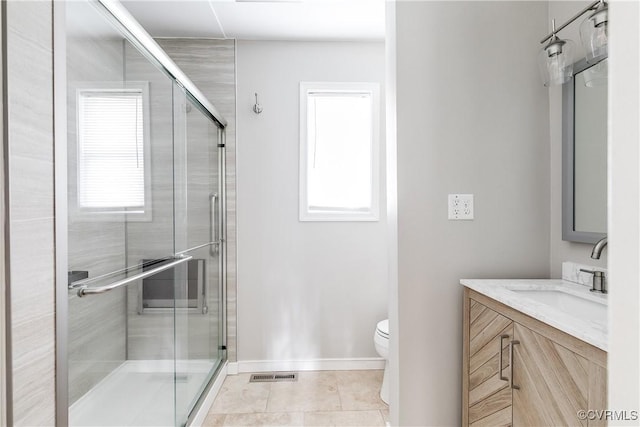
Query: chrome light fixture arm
[
  {"x": 555, "y": 59},
  {"x": 591, "y": 7}
]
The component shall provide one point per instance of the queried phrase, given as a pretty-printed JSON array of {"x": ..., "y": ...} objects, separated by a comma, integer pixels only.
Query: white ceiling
[{"x": 262, "y": 19}]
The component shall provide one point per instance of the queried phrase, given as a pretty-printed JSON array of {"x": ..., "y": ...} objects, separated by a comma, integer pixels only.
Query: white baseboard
[
  {"x": 358, "y": 364},
  {"x": 211, "y": 396}
]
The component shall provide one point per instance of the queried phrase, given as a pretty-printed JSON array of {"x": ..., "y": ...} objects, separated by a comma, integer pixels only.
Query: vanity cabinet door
[
  {"x": 555, "y": 376},
  {"x": 551, "y": 383},
  {"x": 488, "y": 392}
]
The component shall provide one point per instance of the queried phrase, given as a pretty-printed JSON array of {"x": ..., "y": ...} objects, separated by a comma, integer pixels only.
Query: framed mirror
[{"x": 584, "y": 153}]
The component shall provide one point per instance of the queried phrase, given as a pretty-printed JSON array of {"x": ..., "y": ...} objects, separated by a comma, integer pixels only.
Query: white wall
[
  {"x": 560, "y": 250},
  {"x": 306, "y": 290},
  {"x": 392, "y": 213},
  {"x": 472, "y": 116},
  {"x": 624, "y": 209}
]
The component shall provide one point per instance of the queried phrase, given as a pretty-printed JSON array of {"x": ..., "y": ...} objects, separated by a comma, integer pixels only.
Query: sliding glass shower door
[
  {"x": 145, "y": 229},
  {"x": 198, "y": 233}
]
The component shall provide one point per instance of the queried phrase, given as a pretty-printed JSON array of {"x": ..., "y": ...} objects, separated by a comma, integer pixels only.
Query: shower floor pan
[{"x": 141, "y": 393}]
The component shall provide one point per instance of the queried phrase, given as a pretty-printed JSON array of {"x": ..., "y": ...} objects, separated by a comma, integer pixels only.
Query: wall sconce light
[
  {"x": 594, "y": 33},
  {"x": 555, "y": 60}
]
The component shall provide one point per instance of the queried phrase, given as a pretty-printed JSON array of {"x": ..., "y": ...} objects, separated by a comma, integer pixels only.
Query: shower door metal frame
[
  {"x": 6, "y": 415},
  {"x": 61, "y": 211},
  {"x": 222, "y": 270},
  {"x": 136, "y": 35},
  {"x": 152, "y": 50}
]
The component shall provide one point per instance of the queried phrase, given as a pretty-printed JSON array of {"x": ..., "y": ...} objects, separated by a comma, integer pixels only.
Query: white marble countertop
[{"x": 589, "y": 326}]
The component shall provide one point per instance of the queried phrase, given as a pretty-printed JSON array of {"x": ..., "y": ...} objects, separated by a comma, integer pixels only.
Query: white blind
[
  {"x": 111, "y": 150},
  {"x": 339, "y": 156}
]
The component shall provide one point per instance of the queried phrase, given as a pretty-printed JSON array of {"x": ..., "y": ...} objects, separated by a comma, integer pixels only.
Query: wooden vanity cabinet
[
  {"x": 489, "y": 395},
  {"x": 554, "y": 375}
]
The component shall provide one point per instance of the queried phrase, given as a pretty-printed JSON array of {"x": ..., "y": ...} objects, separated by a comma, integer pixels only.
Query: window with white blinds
[
  {"x": 112, "y": 153},
  {"x": 339, "y": 176}
]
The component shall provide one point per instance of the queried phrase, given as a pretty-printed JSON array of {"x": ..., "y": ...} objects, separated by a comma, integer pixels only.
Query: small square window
[{"x": 339, "y": 152}]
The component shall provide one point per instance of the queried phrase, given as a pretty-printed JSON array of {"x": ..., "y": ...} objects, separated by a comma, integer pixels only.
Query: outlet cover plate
[{"x": 461, "y": 207}]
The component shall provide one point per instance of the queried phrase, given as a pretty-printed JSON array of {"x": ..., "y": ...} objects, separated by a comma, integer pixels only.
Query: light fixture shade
[
  {"x": 594, "y": 34},
  {"x": 555, "y": 61}
]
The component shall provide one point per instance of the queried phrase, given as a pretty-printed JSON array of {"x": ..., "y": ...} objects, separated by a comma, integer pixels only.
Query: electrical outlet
[{"x": 461, "y": 206}]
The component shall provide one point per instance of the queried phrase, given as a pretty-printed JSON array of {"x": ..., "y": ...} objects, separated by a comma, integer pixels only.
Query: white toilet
[{"x": 381, "y": 341}]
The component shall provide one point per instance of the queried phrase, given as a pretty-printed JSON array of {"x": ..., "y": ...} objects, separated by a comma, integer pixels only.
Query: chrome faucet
[
  {"x": 598, "y": 282},
  {"x": 598, "y": 247}
]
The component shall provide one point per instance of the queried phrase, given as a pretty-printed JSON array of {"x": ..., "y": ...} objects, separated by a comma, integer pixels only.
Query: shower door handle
[{"x": 214, "y": 233}]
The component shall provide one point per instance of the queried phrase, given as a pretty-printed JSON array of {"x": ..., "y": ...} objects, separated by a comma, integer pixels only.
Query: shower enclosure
[{"x": 140, "y": 233}]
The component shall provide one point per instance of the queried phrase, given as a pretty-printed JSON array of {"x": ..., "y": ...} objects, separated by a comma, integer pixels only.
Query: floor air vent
[{"x": 271, "y": 378}]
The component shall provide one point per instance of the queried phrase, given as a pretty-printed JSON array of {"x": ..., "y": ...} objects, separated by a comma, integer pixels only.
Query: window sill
[{"x": 338, "y": 217}]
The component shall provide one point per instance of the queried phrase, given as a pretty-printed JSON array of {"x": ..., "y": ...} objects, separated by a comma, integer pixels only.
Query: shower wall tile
[
  {"x": 210, "y": 64},
  {"x": 154, "y": 238},
  {"x": 34, "y": 372},
  {"x": 31, "y": 231},
  {"x": 97, "y": 344},
  {"x": 32, "y": 266},
  {"x": 96, "y": 247},
  {"x": 150, "y": 336},
  {"x": 33, "y": 321},
  {"x": 29, "y": 197},
  {"x": 97, "y": 325}
]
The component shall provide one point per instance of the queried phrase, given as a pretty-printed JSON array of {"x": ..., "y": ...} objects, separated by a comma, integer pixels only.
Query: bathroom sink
[
  {"x": 586, "y": 307},
  {"x": 562, "y": 304}
]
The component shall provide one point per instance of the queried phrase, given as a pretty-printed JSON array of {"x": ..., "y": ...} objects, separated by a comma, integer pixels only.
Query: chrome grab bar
[
  {"x": 195, "y": 248},
  {"x": 84, "y": 290}
]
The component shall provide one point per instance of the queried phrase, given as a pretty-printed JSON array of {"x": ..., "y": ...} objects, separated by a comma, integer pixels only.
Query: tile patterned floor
[{"x": 322, "y": 398}]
